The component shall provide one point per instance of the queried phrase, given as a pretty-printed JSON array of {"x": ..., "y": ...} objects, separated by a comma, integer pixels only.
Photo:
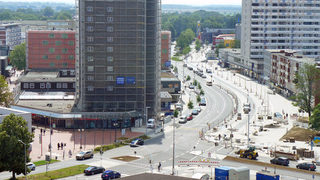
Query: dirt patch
[
  {"x": 271, "y": 126},
  {"x": 126, "y": 158},
  {"x": 299, "y": 134},
  {"x": 303, "y": 119}
]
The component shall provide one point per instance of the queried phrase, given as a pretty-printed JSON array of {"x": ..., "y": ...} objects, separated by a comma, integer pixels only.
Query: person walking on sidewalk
[
  {"x": 58, "y": 146},
  {"x": 159, "y": 166}
]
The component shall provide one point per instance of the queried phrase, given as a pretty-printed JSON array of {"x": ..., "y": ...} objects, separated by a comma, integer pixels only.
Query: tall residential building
[
  {"x": 165, "y": 49},
  {"x": 50, "y": 50},
  {"x": 275, "y": 24},
  {"x": 10, "y": 35},
  {"x": 118, "y": 67}
]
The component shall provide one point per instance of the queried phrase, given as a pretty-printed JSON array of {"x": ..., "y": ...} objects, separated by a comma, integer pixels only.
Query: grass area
[
  {"x": 44, "y": 162},
  {"x": 299, "y": 134},
  {"x": 176, "y": 58},
  {"x": 125, "y": 158},
  {"x": 57, "y": 174},
  {"x": 303, "y": 119},
  {"x": 124, "y": 141}
]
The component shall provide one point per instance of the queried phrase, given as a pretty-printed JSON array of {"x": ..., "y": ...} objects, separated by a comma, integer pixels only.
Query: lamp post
[
  {"x": 115, "y": 124},
  {"x": 147, "y": 120},
  {"x": 25, "y": 158},
  {"x": 173, "y": 145},
  {"x": 50, "y": 138}
]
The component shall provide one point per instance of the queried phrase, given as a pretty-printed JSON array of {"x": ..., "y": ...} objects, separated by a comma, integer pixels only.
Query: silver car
[{"x": 183, "y": 119}]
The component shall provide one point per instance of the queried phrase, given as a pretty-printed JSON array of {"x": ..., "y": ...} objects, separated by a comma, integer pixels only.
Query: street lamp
[
  {"x": 147, "y": 120},
  {"x": 25, "y": 158},
  {"x": 115, "y": 124},
  {"x": 173, "y": 144}
]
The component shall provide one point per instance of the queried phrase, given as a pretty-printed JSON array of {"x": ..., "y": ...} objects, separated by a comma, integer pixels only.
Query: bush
[
  {"x": 188, "y": 78},
  {"x": 190, "y": 105},
  {"x": 198, "y": 98}
]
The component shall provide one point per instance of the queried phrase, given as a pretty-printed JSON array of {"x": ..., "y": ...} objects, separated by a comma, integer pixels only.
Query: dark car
[
  {"x": 136, "y": 142},
  {"x": 109, "y": 174},
  {"x": 307, "y": 166},
  {"x": 280, "y": 161},
  {"x": 93, "y": 170}
]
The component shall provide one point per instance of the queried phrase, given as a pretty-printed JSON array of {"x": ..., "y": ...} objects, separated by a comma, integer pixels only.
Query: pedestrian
[
  {"x": 219, "y": 137},
  {"x": 63, "y": 154},
  {"x": 44, "y": 132},
  {"x": 49, "y": 146},
  {"x": 58, "y": 146},
  {"x": 159, "y": 166},
  {"x": 61, "y": 146},
  {"x": 65, "y": 145},
  {"x": 70, "y": 153},
  {"x": 41, "y": 131}
]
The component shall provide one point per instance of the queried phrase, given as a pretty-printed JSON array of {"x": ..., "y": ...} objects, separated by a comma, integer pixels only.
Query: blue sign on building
[
  {"x": 167, "y": 63},
  {"x": 131, "y": 80},
  {"x": 120, "y": 80}
]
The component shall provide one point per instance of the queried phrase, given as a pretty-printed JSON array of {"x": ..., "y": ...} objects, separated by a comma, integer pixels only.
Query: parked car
[
  {"x": 183, "y": 119},
  {"x": 84, "y": 155},
  {"x": 195, "y": 112},
  {"x": 93, "y": 170},
  {"x": 190, "y": 117},
  {"x": 179, "y": 106},
  {"x": 137, "y": 142},
  {"x": 151, "y": 123},
  {"x": 204, "y": 76},
  {"x": 184, "y": 65},
  {"x": 306, "y": 166},
  {"x": 198, "y": 108},
  {"x": 31, "y": 166},
  {"x": 191, "y": 86},
  {"x": 280, "y": 161},
  {"x": 109, "y": 174},
  {"x": 203, "y": 102}
]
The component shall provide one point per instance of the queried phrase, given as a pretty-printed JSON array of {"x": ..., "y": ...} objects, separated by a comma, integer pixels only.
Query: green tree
[
  {"x": 190, "y": 105},
  {"x": 201, "y": 92},
  {"x": 175, "y": 113},
  {"x": 186, "y": 50},
  {"x": 315, "y": 118},
  {"x": 12, "y": 129},
  {"x": 5, "y": 94},
  {"x": 221, "y": 45},
  {"x": 199, "y": 86},
  {"x": 188, "y": 78},
  {"x": 198, "y": 98},
  {"x": 48, "y": 12},
  {"x": 237, "y": 44},
  {"x": 198, "y": 44},
  {"x": 18, "y": 56},
  {"x": 304, "y": 81},
  {"x": 175, "y": 69},
  {"x": 195, "y": 82}
]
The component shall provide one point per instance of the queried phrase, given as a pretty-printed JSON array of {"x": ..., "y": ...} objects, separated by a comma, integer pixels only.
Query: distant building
[
  {"x": 4, "y": 112},
  {"x": 4, "y": 50},
  {"x": 50, "y": 50},
  {"x": 165, "y": 49},
  {"x": 10, "y": 35},
  {"x": 3, "y": 65},
  {"x": 238, "y": 31},
  {"x": 228, "y": 40}
]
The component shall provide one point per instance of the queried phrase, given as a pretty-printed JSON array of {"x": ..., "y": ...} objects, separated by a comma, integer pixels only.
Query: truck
[
  {"x": 267, "y": 176},
  {"x": 249, "y": 153}
]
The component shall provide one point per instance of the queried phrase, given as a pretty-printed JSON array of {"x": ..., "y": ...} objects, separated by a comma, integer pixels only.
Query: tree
[
  {"x": 315, "y": 118},
  {"x": 304, "y": 81},
  {"x": 13, "y": 129},
  {"x": 175, "y": 113},
  {"x": 198, "y": 44},
  {"x": 201, "y": 92},
  {"x": 18, "y": 56},
  {"x": 188, "y": 78},
  {"x": 5, "y": 94},
  {"x": 237, "y": 44},
  {"x": 199, "y": 86},
  {"x": 48, "y": 12},
  {"x": 221, "y": 45},
  {"x": 195, "y": 82},
  {"x": 198, "y": 98},
  {"x": 190, "y": 105}
]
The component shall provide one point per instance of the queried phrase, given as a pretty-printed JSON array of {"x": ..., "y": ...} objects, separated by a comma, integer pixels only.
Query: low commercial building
[{"x": 228, "y": 40}]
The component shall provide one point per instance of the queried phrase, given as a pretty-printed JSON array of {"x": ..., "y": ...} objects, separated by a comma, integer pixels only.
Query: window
[
  {"x": 48, "y": 85},
  {"x": 89, "y": 18},
  {"x": 109, "y": 19},
  {"x": 65, "y": 85},
  {"x": 110, "y": 29},
  {"x": 64, "y": 50},
  {"x": 109, "y": 78},
  {"x": 110, "y": 68},
  {"x": 52, "y": 64},
  {"x": 45, "y": 57},
  {"x": 45, "y": 42},
  {"x": 71, "y": 43},
  {"x": 109, "y": 9},
  {"x": 89, "y": 28},
  {"x": 64, "y": 36},
  {"x": 42, "y": 85},
  {"x": 72, "y": 72},
  {"x": 164, "y": 51},
  {"x": 164, "y": 36},
  {"x": 90, "y": 78},
  {"x": 89, "y": 9},
  {"x": 51, "y": 35},
  {"x": 90, "y": 49},
  {"x": 110, "y": 59},
  {"x": 90, "y": 88},
  {"x": 90, "y": 39},
  {"x": 58, "y": 43},
  {"x": 65, "y": 64},
  {"x": 58, "y": 57},
  {"x": 109, "y": 88},
  {"x": 51, "y": 50},
  {"x": 90, "y": 58},
  {"x": 71, "y": 57},
  {"x": 58, "y": 85},
  {"x": 64, "y": 73},
  {"x": 109, "y": 39},
  {"x": 90, "y": 68},
  {"x": 31, "y": 85},
  {"x": 109, "y": 49},
  {"x": 26, "y": 85}
]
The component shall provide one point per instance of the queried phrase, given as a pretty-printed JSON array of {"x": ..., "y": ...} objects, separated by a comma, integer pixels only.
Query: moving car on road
[
  {"x": 209, "y": 83},
  {"x": 93, "y": 170},
  {"x": 280, "y": 161},
  {"x": 306, "y": 166},
  {"x": 31, "y": 166},
  {"x": 183, "y": 119},
  {"x": 84, "y": 155},
  {"x": 109, "y": 174},
  {"x": 136, "y": 142},
  {"x": 151, "y": 123}
]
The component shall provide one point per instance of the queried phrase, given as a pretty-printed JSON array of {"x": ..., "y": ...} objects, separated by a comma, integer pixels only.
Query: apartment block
[
  {"x": 10, "y": 35},
  {"x": 118, "y": 66},
  {"x": 165, "y": 49},
  {"x": 275, "y": 24},
  {"x": 51, "y": 50}
]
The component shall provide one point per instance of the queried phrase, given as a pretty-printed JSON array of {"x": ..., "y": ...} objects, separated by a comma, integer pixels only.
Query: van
[
  {"x": 209, "y": 83},
  {"x": 151, "y": 123}
]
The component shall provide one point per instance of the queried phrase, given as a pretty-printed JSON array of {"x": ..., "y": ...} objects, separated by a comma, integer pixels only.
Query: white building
[
  {"x": 4, "y": 112},
  {"x": 275, "y": 24},
  {"x": 10, "y": 35}
]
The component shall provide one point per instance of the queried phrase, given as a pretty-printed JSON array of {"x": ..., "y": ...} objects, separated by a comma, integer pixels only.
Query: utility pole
[
  {"x": 25, "y": 158},
  {"x": 173, "y": 144}
]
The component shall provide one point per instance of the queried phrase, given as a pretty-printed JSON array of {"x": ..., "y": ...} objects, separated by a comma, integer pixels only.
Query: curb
[{"x": 253, "y": 162}]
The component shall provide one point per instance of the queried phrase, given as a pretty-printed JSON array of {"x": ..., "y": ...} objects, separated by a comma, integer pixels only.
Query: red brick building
[
  {"x": 50, "y": 50},
  {"x": 165, "y": 49}
]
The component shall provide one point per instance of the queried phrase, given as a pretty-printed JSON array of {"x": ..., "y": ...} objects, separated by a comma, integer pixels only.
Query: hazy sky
[{"x": 190, "y": 2}]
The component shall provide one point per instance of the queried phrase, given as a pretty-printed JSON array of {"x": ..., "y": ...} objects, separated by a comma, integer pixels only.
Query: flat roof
[
  {"x": 165, "y": 95},
  {"x": 55, "y": 106},
  {"x": 45, "y": 77},
  {"x": 7, "y": 111},
  {"x": 166, "y": 76},
  {"x": 292, "y": 55}
]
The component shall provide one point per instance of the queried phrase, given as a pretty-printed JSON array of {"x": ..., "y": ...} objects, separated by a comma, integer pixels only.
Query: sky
[{"x": 185, "y": 2}]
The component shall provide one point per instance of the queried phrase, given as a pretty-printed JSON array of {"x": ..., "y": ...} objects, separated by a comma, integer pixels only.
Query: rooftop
[
  {"x": 167, "y": 76},
  {"x": 45, "y": 77},
  {"x": 52, "y": 31},
  {"x": 165, "y": 95},
  {"x": 57, "y": 106},
  {"x": 7, "y": 111},
  {"x": 292, "y": 55}
]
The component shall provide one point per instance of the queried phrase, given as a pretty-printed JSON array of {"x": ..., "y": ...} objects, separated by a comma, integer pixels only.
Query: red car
[{"x": 190, "y": 117}]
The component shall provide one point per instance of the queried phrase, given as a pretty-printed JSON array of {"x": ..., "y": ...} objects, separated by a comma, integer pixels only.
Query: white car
[
  {"x": 31, "y": 166},
  {"x": 198, "y": 108},
  {"x": 151, "y": 123},
  {"x": 183, "y": 119}
]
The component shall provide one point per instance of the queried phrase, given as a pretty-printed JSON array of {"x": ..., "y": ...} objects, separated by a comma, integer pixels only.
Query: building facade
[
  {"x": 274, "y": 24},
  {"x": 10, "y": 35},
  {"x": 165, "y": 49},
  {"x": 284, "y": 65},
  {"x": 50, "y": 50},
  {"x": 118, "y": 67}
]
